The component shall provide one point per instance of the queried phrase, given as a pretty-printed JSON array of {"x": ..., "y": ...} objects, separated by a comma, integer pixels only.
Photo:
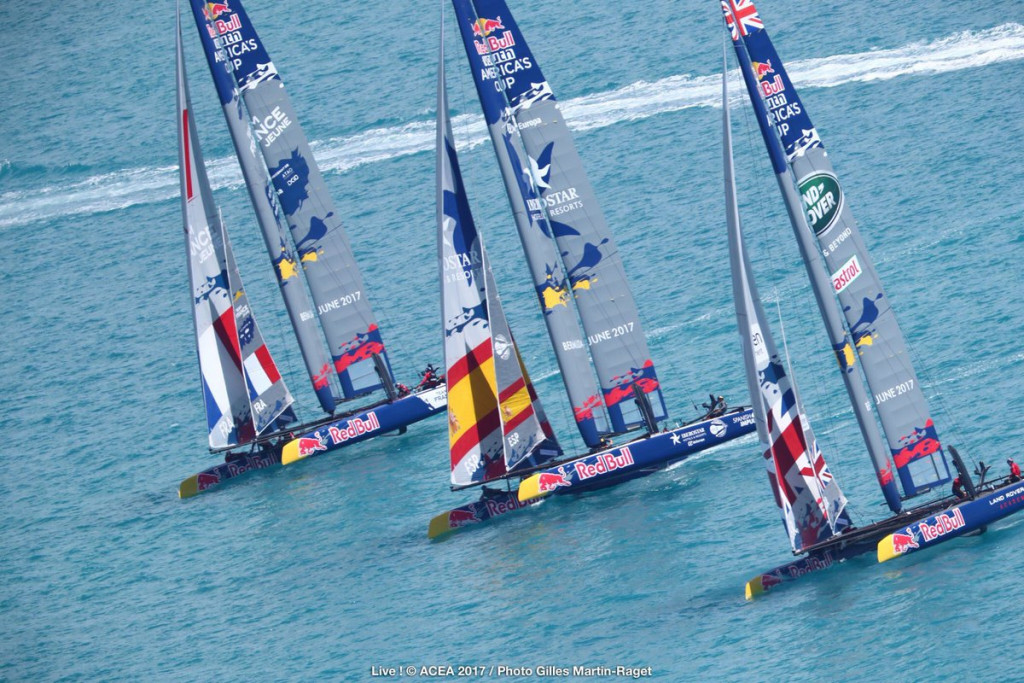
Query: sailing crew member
[
  {"x": 1014, "y": 470},
  {"x": 958, "y": 489}
]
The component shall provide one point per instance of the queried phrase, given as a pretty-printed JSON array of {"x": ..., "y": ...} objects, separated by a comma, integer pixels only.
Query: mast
[
  {"x": 541, "y": 254},
  {"x": 495, "y": 422},
  {"x": 264, "y": 203},
  {"x": 242, "y": 389},
  {"x": 335, "y": 282},
  {"x": 821, "y": 285},
  {"x": 812, "y": 506}
]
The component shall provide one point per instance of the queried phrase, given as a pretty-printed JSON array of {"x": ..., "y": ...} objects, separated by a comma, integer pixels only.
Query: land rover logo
[{"x": 823, "y": 200}]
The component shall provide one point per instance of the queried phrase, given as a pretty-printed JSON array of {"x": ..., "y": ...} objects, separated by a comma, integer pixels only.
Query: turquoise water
[{"x": 322, "y": 570}]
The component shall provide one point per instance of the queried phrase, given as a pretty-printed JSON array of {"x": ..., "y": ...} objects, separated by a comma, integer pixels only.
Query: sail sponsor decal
[
  {"x": 271, "y": 126},
  {"x": 356, "y": 427},
  {"x": 549, "y": 481},
  {"x": 622, "y": 385},
  {"x": 1009, "y": 499},
  {"x": 847, "y": 273},
  {"x": 944, "y": 524},
  {"x": 604, "y": 463},
  {"x": 822, "y": 200},
  {"x": 920, "y": 443}
]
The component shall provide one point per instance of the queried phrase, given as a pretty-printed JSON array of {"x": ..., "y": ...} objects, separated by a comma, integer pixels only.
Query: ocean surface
[{"x": 323, "y": 570}]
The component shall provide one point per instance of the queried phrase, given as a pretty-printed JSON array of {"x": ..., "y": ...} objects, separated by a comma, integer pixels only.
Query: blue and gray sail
[
  {"x": 264, "y": 202},
  {"x": 874, "y": 334},
  {"x": 335, "y": 282},
  {"x": 503, "y": 63},
  {"x": 549, "y": 278}
]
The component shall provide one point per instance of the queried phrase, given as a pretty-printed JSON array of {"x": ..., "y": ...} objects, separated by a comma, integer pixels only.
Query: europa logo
[{"x": 823, "y": 200}]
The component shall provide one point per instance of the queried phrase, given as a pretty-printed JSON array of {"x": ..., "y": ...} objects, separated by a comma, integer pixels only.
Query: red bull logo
[
  {"x": 901, "y": 543},
  {"x": 356, "y": 427},
  {"x": 772, "y": 87},
  {"x": 457, "y": 518},
  {"x": 485, "y": 27},
  {"x": 205, "y": 480},
  {"x": 762, "y": 69},
  {"x": 499, "y": 506},
  {"x": 309, "y": 446},
  {"x": 549, "y": 481},
  {"x": 944, "y": 524},
  {"x": 769, "y": 581},
  {"x": 602, "y": 463},
  {"x": 212, "y": 10}
]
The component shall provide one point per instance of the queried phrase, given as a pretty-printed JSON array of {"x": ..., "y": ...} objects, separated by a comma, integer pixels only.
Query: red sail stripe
[
  {"x": 470, "y": 362},
  {"x": 473, "y": 435},
  {"x": 267, "y": 363},
  {"x": 518, "y": 418},
  {"x": 224, "y": 326},
  {"x": 188, "y": 155},
  {"x": 512, "y": 389}
]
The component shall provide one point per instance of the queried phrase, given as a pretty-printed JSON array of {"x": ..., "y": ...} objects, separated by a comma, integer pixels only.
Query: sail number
[{"x": 617, "y": 331}]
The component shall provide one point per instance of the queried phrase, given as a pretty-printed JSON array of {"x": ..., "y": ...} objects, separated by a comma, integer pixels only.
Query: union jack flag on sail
[{"x": 741, "y": 17}]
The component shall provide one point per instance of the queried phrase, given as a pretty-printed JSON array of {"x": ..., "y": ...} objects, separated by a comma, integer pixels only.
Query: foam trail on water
[{"x": 640, "y": 100}]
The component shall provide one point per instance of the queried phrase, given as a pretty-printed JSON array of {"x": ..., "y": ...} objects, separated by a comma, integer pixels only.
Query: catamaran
[
  {"x": 861, "y": 325},
  {"x": 282, "y": 177},
  {"x": 497, "y": 429}
]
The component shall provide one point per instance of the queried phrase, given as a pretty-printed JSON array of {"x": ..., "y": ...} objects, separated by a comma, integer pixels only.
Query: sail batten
[
  {"x": 336, "y": 285},
  {"x": 875, "y": 337}
]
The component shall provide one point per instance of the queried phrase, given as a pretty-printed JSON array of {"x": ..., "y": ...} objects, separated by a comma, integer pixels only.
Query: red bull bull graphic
[
  {"x": 207, "y": 479},
  {"x": 485, "y": 27},
  {"x": 457, "y": 518},
  {"x": 212, "y": 10},
  {"x": 308, "y": 447},
  {"x": 902, "y": 543},
  {"x": 762, "y": 69},
  {"x": 549, "y": 481}
]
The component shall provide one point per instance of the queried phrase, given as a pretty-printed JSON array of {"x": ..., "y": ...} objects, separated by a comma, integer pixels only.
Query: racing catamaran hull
[
  {"x": 339, "y": 432},
  {"x": 599, "y": 470}
]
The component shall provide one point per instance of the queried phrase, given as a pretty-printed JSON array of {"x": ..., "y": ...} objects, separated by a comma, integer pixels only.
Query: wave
[{"x": 640, "y": 100}]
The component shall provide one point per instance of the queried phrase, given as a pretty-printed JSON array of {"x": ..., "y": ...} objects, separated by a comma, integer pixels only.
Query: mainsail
[
  {"x": 264, "y": 202},
  {"x": 495, "y": 423},
  {"x": 334, "y": 279},
  {"x": 812, "y": 506},
  {"x": 242, "y": 388},
  {"x": 502, "y": 62},
  {"x": 874, "y": 332}
]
